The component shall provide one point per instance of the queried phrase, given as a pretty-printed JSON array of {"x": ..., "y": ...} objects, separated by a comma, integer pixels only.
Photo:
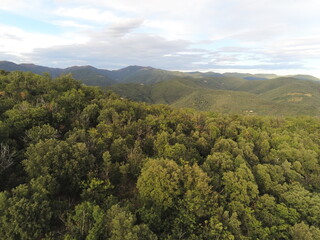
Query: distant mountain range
[
  {"x": 98, "y": 77},
  {"x": 131, "y": 74},
  {"x": 262, "y": 94}
]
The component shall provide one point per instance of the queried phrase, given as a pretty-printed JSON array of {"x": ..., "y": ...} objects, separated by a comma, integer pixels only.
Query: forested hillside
[
  {"x": 99, "y": 77},
  {"x": 236, "y": 93},
  {"x": 276, "y": 97},
  {"x": 78, "y": 163}
]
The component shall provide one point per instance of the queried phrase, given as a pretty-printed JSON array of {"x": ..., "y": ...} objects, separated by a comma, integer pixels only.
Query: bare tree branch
[{"x": 6, "y": 157}]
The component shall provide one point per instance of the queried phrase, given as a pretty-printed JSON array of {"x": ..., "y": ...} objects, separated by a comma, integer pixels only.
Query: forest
[{"x": 77, "y": 162}]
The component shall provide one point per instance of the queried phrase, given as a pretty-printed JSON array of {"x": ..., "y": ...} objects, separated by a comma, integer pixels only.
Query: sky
[{"x": 256, "y": 36}]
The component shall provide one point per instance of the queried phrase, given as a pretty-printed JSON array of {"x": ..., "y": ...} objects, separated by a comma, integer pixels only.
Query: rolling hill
[
  {"x": 133, "y": 74},
  {"x": 166, "y": 92},
  {"x": 86, "y": 74},
  {"x": 245, "y": 93},
  {"x": 99, "y": 77},
  {"x": 280, "y": 96}
]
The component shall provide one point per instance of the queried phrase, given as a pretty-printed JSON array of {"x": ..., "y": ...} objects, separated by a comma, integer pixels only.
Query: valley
[{"x": 238, "y": 93}]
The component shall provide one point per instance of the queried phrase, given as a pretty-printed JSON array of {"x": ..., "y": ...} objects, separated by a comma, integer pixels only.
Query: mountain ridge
[
  {"x": 240, "y": 93},
  {"x": 133, "y": 73}
]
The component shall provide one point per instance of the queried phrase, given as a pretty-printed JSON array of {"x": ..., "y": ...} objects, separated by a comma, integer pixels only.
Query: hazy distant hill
[
  {"x": 304, "y": 77},
  {"x": 132, "y": 74},
  {"x": 249, "y": 76}
]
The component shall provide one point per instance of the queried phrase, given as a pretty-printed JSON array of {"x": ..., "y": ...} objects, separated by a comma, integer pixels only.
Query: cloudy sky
[{"x": 280, "y": 36}]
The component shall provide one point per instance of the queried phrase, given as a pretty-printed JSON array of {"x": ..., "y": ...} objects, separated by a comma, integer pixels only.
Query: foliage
[
  {"x": 78, "y": 163},
  {"x": 227, "y": 94}
]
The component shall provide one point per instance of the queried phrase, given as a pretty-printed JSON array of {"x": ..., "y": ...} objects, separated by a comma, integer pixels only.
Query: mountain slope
[
  {"x": 90, "y": 75},
  {"x": 170, "y": 91},
  {"x": 281, "y": 96},
  {"x": 133, "y": 74},
  {"x": 249, "y": 76},
  {"x": 86, "y": 74},
  {"x": 226, "y": 101},
  {"x": 229, "y": 92},
  {"x": 100, "y": 77},
  {"x": 304, "y": 77},
  {"x": 10, "y": 66}
]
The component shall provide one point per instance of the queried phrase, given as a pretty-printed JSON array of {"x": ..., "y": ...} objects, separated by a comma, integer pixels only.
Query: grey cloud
[
  {"x": 118, "y": 46},
  {"x": 4, "y": 56},
  {"x": 140, "y": 49},
  {"x": 234, "y": 49},
  {"x": 280, "y": 56},
  {"x": 150, "y": 50},
  {"x": 122, "y": 28},
  {"x": 11, "y": 37}
]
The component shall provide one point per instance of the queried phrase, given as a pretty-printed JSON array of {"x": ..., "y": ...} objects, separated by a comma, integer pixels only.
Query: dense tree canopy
[{"x": 78, "y": 163}]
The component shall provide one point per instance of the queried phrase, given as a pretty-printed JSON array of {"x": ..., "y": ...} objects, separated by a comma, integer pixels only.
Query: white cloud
[
  {"x": 87, "y": 13},
  {"x": 15, "y": 40},
  {"x": 175, "y": 34},
  {"x": 16, "y": 44},
  {"x": 72, "y": 24},
  {"x": 141, "y": 49},
  {"x": 18, "y": 4}
]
